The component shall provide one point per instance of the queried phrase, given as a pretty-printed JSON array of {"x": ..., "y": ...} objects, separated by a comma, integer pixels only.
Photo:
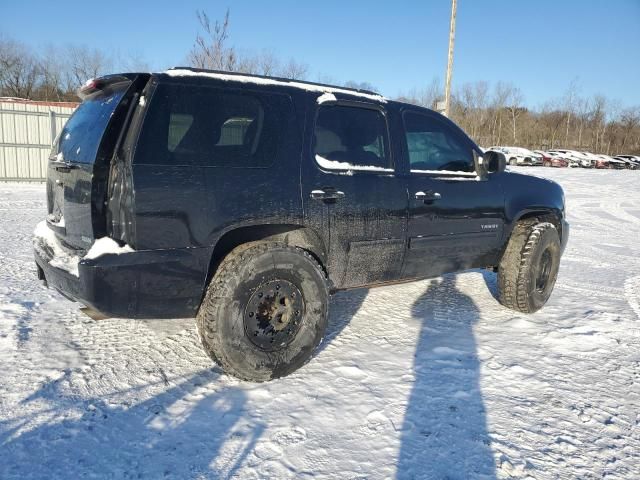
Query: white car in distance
[
  {"x": 519, "y": 155},
  {"x": 582, "y": 160}
]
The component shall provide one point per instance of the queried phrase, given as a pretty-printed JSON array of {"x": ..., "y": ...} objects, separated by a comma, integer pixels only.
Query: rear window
[
  {"x": 351, "y": 137},
  {"x": 80, "y": 138},
  {"x": 214, "y": 127}
]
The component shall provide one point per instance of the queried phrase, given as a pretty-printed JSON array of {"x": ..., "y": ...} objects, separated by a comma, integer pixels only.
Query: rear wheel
[
  {"x": 513, "y": 161},
  {"x": 529, "y": 267},
  {"x": 265, "y": 311},
  {"x": 547, "y": 163}
]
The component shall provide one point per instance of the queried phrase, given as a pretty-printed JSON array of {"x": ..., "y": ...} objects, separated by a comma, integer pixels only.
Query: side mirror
[
  {"x": 495, "y": 162},
  {"x": 480, "y": 165}
]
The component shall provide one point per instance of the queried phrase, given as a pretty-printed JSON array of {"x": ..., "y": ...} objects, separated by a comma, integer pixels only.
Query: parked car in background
[
  {"x": 606, "y": 161},
  {"x": 572, "y": 161},
  {"x": 519, "y": 155},
  {"x": 632, "y": 161},
  {"x": 552, "y": 160},
  {"x": 583, "y": 160}
]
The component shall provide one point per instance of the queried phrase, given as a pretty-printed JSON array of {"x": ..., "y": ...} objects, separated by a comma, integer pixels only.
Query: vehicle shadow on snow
[
  {"x": 444, "y": 433},
  {"x": 491, "y": 280},
  {"x": 342, "y": 308},
  {"x": 178, "y": 433}
]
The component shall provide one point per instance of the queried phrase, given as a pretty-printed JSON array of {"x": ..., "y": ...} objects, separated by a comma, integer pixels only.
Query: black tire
[
  {"x": 529, "y": 267},
  {"x": 245, "y": 308},
  {"x": 547, "y": 164},
  {"x": 513, "y": 161}
]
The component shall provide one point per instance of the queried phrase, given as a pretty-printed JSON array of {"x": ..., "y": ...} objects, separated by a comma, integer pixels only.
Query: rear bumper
[{"x": 140, "y": 284}]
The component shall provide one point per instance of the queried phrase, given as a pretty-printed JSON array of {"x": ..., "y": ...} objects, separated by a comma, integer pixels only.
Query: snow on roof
[
  {"x": 326, "y": 97},
  {"x": 310, "y": 87}
]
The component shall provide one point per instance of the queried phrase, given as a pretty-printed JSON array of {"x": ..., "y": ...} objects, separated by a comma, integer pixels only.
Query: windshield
[{"x": 80, "y": 138}]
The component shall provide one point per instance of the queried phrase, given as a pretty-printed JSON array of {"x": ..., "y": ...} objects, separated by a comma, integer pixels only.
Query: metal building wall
[{"x": 27, "y": 130}]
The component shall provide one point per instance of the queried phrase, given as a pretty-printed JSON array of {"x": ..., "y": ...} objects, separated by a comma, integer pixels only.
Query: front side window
[
  {"x": 209, "y": 127},
  {"x": 433, "y": 145},
  {"x": 351, "y": 138}
]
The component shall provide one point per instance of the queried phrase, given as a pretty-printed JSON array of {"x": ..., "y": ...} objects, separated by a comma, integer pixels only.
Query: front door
[
  {"x": 352, "y": 195},
  {"x": 456, "y": 220}
]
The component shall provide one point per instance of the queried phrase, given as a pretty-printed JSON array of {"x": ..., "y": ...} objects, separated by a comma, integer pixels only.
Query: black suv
[{"x": 244, "y": 201}]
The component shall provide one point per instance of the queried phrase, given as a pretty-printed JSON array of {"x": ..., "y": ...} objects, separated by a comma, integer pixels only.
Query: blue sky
[{"x": 540, "y": 46}]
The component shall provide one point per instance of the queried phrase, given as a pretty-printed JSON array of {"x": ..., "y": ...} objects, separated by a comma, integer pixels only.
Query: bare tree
[
  {"x": 629, "y": 120},
  {"x": 211, "y": 50},
  {"x": 294, "y": 70},
  {"x": 470, "y": 108},
  {"x": 583, "y": 113},
  {"x": 52, "y": 75},
  {"x": 515, "y": 108},
  {"x": 427, "y": 96},
  {"x": 552, "y": 119},
  {"x": 129, "y": 62},
  {"x": 19, "y": 69},
  {"x": 570, "y": 99},
  {"x": 83, "y": 64},
  {"x": 597, "y": 122},
  {"x": 266, "y": 63},
  {"x": 501, "y": 94}
]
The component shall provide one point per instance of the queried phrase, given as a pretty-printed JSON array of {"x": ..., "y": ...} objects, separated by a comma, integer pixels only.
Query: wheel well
[
  {"x": 534, "y": 217},
  {"x": 543, "y": 216},
  {"x": 295, "y": 235}
]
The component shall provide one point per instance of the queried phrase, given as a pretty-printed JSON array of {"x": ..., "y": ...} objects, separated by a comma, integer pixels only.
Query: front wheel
[
  {"x": 265, "y": 311},
  {"x": 513, "y": 161},
  {"x": 529, "y": 267}
]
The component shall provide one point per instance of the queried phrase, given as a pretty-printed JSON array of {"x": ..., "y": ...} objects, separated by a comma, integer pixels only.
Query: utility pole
[{"x": 452, "y": 37}]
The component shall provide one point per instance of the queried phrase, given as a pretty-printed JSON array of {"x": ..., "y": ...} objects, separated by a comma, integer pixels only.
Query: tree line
[
  {"x": 495, "y": 114},
  {"x": 55, "y": 73},
  {"x": 492, "y": 114}
]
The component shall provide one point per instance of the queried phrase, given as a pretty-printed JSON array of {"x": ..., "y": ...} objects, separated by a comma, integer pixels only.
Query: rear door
[
  {"x": 79, "y": 161},
  {"x": 456, "y": 221},
  {"x": 352, "y": 194}
]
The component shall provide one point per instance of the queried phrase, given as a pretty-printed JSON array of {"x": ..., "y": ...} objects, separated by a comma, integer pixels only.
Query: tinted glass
[
  {"x": 80, "y": 138},
  {"x": 351, "y": 136},
  {"x": 210, "y": 127},
  {"x": 434, "y": 145}
]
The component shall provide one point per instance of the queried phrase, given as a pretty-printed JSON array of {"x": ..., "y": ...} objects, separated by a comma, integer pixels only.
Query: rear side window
[
  {"x": 434, "y": 145},
  {"x": 80, "y": 138},
  {"x": 211, "y": 127},
  {"x": 351, "y": 138}
]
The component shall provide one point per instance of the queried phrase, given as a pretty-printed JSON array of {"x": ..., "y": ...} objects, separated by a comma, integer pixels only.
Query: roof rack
[{"x": 279, "y": 79}]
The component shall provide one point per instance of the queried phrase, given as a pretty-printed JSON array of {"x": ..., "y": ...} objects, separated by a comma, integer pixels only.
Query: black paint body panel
[{"x": 377, "y": 232}]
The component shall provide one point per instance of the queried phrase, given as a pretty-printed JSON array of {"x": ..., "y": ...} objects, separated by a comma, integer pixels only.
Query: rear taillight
[
  {"x": 89, "y": 87},
  {"x": 102, "y": 83}
]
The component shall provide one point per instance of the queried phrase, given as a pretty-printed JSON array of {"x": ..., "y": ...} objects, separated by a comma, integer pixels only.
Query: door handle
[
  {"x": 327, "y": 194},
  {"x": 65, "y": 168},
  {"x": 428, "y": 196}
]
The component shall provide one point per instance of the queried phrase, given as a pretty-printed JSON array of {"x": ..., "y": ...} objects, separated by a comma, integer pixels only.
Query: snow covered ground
[{"x": 430, "y": 380}]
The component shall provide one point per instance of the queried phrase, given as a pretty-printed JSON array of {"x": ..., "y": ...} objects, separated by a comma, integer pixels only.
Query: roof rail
[{"x": 279, "y": 79}]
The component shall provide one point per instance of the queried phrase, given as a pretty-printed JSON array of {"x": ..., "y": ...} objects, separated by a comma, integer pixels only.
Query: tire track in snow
[{"x": 632, "y": 294}]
